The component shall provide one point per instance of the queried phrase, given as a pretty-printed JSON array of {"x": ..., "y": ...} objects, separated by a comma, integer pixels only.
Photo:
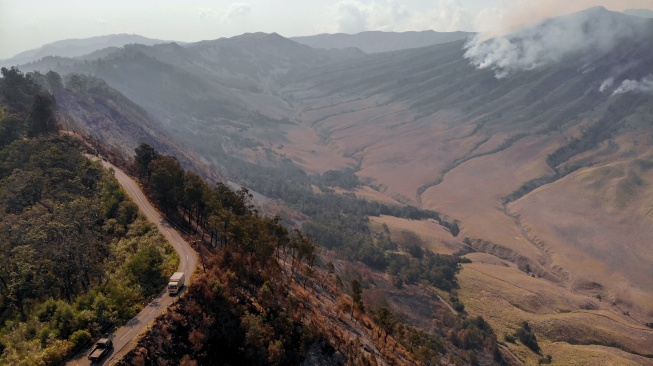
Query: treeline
[
  {"x": 221, "y": 215},
  {"x": 341, "y": 221},
  {"x": 72, "y": 246}
]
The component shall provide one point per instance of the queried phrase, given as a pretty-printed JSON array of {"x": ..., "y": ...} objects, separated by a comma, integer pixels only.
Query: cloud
[
  {"x": 237, "y": 11},
  {"x": 450, "y": 16},
  {"x": 354, "y": 16},
  {"x": 549, "y": 41},
  {"x": 644, "y": 85}
]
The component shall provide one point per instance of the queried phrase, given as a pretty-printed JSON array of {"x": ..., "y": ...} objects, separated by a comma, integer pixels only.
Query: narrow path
[{"x": 122, "y": 338}]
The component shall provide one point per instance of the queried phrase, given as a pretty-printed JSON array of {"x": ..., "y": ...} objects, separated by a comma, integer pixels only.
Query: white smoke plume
[
  {"x": 606, "y": 84},
  {"x": 644, "y": 85},
  {"x": 550, "y": 41}
]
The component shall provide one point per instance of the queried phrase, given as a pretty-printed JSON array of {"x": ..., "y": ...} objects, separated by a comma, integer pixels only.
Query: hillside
[
  {"x": 267, "y": 296},
  {"x": 533, "y": 148},
  {"x": 77, "y": 258}
]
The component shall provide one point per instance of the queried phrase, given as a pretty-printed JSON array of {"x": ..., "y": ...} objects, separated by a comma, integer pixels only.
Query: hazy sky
[{"x": 28, "y": 24}]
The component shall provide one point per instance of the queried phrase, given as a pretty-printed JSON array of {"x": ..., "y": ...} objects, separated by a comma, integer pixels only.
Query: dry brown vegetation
[{"x": 584, "y": 237}]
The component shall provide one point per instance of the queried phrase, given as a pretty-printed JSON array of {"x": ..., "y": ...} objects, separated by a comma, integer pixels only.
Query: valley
[{"x": 537, "y": 174}]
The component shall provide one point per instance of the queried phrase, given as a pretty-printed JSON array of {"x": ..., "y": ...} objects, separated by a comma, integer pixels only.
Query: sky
[{"x": 29, "y": 24}]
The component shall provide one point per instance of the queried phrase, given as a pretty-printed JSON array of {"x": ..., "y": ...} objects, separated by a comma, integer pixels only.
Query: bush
[
  {"x": 509, "y": 338},
  {"x": 545, "y": 360},
  {"x": 526, "y": 336},
  {"x": 80, "y": 338}
]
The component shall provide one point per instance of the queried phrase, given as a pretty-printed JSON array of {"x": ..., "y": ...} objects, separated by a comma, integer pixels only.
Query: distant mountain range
[
  {"x": 642, "y": 13},
  {"x": 369, "y": 42},
  {"x": 78, "y": 47},
  {"x": 376, "y": 41}
]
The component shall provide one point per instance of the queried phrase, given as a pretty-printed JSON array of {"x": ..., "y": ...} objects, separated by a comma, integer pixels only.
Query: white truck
[{"x": 176, "y": 282}]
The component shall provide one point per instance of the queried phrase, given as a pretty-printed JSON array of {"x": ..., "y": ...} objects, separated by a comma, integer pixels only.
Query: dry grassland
[
  {"x": 472, "y": 193},
  {"x": 434, "y": 237},
  {"x": 603, "y": 238},
  {"x": 505, "y": 296},
  {"x": 590, "y": 233}
]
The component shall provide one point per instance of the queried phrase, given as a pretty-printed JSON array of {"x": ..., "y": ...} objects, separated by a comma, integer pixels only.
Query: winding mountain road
[{"x": 187, "y": 263}]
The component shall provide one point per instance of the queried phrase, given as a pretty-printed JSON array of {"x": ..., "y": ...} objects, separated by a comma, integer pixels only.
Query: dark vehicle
[{"x": 102, "y": 347}]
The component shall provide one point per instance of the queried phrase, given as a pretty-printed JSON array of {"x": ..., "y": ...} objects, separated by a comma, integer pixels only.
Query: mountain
[
  {"x": 377, "y": 41},
  {"x": 642, "y": 13},
  {"x": 219, "y": 87},
  {"x": 77, "y": 47},
  {"x": 534, "y": 148}
]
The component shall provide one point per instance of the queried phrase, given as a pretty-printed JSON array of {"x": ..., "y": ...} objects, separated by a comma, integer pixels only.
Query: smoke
[
  {"x": 550, "y": 41},
  {"x": 606, "y": 84},
  {"x": 645, "y": 85}
]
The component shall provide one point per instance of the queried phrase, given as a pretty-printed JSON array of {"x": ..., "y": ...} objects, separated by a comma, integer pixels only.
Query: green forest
[{"x": 78, "y": 259}]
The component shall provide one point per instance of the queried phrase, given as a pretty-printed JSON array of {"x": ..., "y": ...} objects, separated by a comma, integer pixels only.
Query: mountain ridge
[
  {"x": 378, "y": 41},
  {"x": 77, "y": 47},
  {"x": 539, "y": 169}
]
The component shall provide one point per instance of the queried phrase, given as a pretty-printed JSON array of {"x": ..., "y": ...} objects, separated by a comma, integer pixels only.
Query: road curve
[{"x": 187, "y": 263}]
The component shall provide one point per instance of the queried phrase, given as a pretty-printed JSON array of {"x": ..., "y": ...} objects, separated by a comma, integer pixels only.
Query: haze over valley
[{"x": 527, "y": 155}]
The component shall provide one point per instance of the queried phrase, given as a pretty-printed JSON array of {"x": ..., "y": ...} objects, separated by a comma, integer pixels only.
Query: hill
[
  {"x": 533, "y": 148},
  {"x": 377, "y": 41},
  {"x": 77, "y": 47}
]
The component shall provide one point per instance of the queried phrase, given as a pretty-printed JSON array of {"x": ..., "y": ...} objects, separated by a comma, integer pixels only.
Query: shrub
[
  {"x": 526, "y": 336},
  {"x": 509, "y": 338},
  {"x": 80, "y": 338}
]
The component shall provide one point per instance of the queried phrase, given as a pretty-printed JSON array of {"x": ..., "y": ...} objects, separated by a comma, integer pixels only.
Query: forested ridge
[
  {"x": 265, "y": 294},
  {"x": 77, "y": 258}
]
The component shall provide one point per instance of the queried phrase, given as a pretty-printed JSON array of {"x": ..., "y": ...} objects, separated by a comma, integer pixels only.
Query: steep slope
[{"x": 105, "y": 117}]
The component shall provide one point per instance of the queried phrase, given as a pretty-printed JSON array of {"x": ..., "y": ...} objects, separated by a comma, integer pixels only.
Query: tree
[
  {"x": 42, "y": 118},
  {"x": 167, "y": 180},
  {"x": 194, "y": 189},
  {"x": 526, "y": 336},
  {"x": 10, "y": 128},
  {"x": 357, "y": 296},
  {"x": 18, "y": 90},
  {"x": 386, "y": 320},
  {"x": 144, "y": 268},
  {"x": 145, "y": 154},
  {"x": 53, "y": 79}
]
